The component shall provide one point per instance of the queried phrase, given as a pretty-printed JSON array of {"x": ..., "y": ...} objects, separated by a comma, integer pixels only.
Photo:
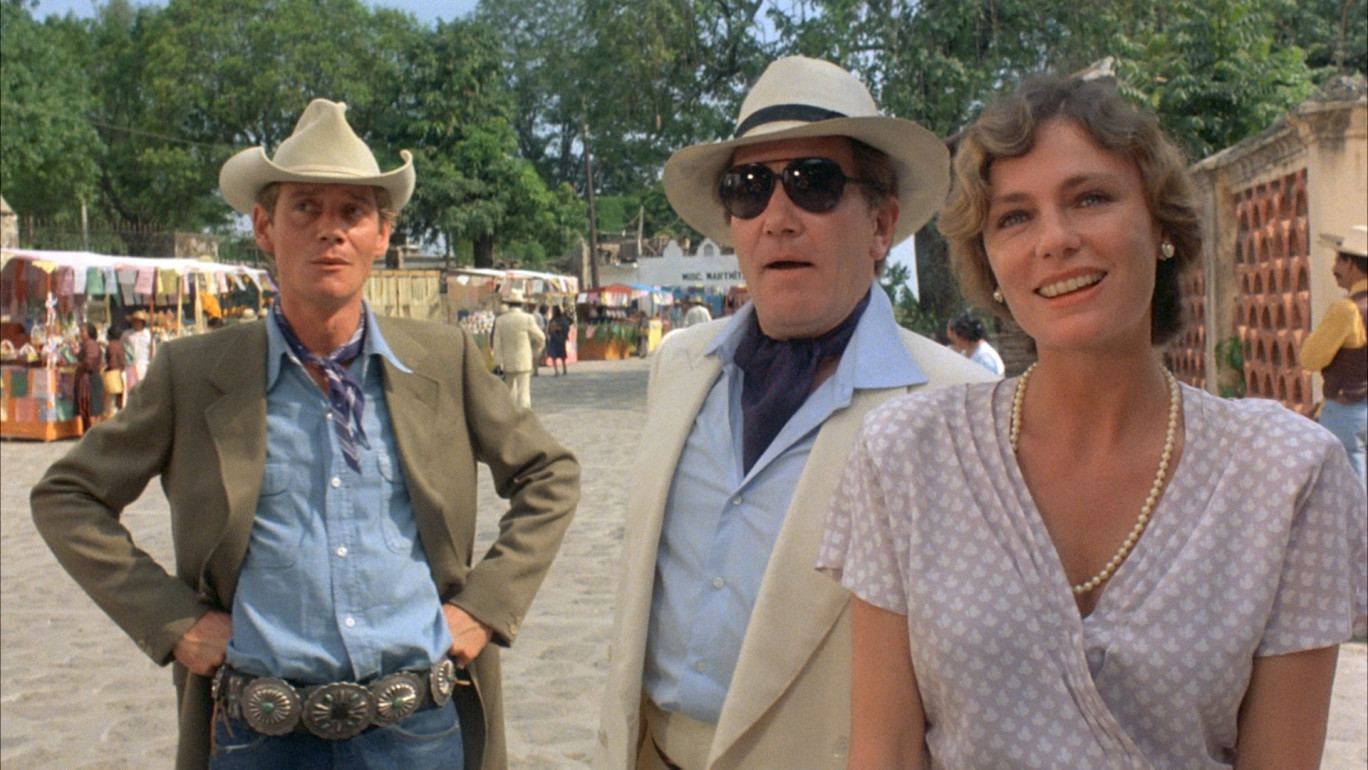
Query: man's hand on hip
[
  {"x": 203, "y": 648},
  {"x": 468, "y": 635}
]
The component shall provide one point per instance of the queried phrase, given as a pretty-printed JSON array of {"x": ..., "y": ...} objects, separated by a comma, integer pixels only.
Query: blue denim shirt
[
  {"x": 335, "y": 584},
  {"x": 721, "y": 524}
]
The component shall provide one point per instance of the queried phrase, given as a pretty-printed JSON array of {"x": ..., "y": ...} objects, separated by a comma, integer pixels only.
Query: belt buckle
[
  {"x": 270, "y": 706},
  {"x": 396, "y": 697},
  {"x": 339, "y": 711}
]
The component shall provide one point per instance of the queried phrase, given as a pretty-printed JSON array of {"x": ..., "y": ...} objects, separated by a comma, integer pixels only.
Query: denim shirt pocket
[
  {"x": 276, "y": 534},
  {"x": 397, "y": 521}
]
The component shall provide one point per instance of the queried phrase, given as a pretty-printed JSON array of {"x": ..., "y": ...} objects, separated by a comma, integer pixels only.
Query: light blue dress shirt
[
  {"x": 721, "y": 524},
  {"x": 335, "y": 585}
]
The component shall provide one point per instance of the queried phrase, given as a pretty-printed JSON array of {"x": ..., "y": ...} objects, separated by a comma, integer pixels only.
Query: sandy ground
[{"x": 75, "y": 693}]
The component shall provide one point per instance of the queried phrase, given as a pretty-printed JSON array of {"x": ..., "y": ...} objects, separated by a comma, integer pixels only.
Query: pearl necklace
[{"x": 1170, "y": 435}]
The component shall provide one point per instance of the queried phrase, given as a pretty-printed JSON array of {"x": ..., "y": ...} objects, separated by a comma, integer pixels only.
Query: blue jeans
[
  {"x": 1349, "y": 423},
  {"x": 428, "y": 740}
]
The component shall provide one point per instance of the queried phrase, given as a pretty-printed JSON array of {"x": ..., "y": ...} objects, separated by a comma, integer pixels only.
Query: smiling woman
[{"x": 1028, "y": 555}]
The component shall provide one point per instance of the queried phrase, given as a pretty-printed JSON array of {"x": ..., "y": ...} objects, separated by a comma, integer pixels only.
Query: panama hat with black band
[
  {"x": 800, "y": 97},
  {"x": 322, "y": 150}
]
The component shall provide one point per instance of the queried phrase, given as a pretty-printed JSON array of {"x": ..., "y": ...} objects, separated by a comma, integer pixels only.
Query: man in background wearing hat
[
  {"x": 137, "y": 343},
  {"x": 1338, "y": 349},
  {"x": 728, "y": 649},
  {"x": 698, "y": 312},
  {"x": 516, "y": 337},
  {"x": 320, "y": 466}
]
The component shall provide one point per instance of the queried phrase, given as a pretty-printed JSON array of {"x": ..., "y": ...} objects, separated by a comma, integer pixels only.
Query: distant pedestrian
[
  {"x": 557, "y": 339},
  {"x": 515, "y": 339},
  {"x": 113, "y": 376},
  {"x": 539, "y": 353},
  {"x": 967, "y": 336},
  {"x": 89, "y": 361},
  {"x": 137, "y": 342},
  {"x": 698, "y": 313}
]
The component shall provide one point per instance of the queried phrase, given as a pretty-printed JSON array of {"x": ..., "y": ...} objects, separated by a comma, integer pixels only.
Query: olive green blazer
[{"x": 199, "y": 422}]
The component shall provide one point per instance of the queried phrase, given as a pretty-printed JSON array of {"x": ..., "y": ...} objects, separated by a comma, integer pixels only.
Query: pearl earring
[
  {"x": 1166, "y": 250},
  {"x": 998, "y": 298}
]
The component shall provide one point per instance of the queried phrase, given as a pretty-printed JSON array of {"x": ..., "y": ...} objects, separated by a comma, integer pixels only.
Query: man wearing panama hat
[
  {"x": 320, "y": 466},
  {"x": 728, "y": 649},
  {"x": 515, "y": 339},
  {"x": 1338, "y": 349}
]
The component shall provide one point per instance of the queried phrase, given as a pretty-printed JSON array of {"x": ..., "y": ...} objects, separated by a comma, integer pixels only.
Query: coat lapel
[
  {"x": 683, "y": 378},
  {"x": 237, "y": 427},
  {"x": 411, "y": 398},
  {"x": 796, "y": 607}
]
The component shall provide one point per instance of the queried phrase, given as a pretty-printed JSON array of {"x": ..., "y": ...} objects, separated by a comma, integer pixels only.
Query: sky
[{"x": 427, "y": 11}]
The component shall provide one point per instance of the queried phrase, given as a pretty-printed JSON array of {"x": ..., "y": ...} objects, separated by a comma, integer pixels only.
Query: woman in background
[
  {"x": 89, "y": 361},
  {"x": 1090, "y": 565},
  {"x": 557, "y": 334},
  {"x": 967, "y": 336},
  {"x": 113, "y": 377}
]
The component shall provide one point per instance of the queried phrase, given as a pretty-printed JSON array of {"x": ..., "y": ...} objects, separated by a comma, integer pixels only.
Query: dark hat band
[{"x": 784, "y": 112}]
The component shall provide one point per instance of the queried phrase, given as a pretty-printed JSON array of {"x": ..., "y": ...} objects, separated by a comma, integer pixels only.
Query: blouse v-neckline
[{"x": 1120, "y": 591}]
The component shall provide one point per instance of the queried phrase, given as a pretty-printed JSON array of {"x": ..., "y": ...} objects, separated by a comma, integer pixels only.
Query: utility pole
[{"x": 593, "y": 218}]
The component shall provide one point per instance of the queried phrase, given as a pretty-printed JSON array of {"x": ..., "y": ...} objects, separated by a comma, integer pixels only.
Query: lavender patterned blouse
[{"x": 1256, "y": 548}]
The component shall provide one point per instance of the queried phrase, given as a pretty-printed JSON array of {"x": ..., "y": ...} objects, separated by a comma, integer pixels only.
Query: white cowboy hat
[
  {"x": 515, "y": 297},
  {"x": 1356, "y": 242},
  {"x": 323, "y": 148},
  {"x": 801, "y": 97}
]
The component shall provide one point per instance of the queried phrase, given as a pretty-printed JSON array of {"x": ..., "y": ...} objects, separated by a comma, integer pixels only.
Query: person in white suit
[
  {"x": 516, "y": 337},
  {"x": 729, "y": 650}
]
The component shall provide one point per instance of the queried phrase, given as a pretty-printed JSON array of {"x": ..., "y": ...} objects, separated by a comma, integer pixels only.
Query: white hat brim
[
  {"x": 247, "y": 172},
  {"x": 920, "y": 158}
]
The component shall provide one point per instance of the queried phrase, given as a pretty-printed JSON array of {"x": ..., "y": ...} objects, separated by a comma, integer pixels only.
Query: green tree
[
  {"x": 184, "y": 87},
  {"x": 1213, "y": 73},
  {"x": 453, "y": 112},
  {"x": 49, "y": 153}
]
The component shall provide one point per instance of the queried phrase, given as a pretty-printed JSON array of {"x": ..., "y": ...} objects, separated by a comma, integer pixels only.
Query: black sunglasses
[{"x": 813, "y": 184}]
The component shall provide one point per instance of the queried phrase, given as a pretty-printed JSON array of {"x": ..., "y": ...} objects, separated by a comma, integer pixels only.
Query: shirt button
[
  {"x": 350, "y": 621},
  {"x": 342, "y": 550},
  {"x": 718, "y": 582},
  {"x": 336, "y": 482},
  {"x": 700, "y": 667},
  {"x": 738, "y": 500}
]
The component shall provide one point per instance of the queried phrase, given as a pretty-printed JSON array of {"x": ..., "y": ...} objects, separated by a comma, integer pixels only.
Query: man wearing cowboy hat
[
  {"x": 728, "y": 649},
  {"x": 516, "y": 337},
  {"x": 1338, "y": 349},
  {"x": 320, "y": 466}
]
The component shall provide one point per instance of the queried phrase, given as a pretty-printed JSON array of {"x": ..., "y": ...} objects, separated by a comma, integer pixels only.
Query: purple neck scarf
[{"x": 778, "y": 377}]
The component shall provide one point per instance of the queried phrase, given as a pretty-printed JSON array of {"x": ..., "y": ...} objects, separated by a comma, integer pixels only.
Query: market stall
[
  {"x": 46, "y": 295},
  {"x": 620, "y": 320}
]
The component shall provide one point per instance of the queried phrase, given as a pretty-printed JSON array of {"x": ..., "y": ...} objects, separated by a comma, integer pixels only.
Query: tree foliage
[
  {"x": 49, "y": 151},
  {"x": 136, "y": 108}
]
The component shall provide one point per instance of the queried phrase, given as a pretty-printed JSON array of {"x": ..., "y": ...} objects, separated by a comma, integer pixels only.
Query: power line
[{"x": 114, "y": 127}]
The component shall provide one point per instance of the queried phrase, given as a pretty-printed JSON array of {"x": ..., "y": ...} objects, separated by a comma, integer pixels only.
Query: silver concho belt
[{"x": 335, "y": 711}]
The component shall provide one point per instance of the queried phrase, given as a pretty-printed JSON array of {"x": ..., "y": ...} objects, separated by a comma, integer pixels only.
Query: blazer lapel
[
  {"x": 797, "y": 606},
  {"x": 683, "y": 378},
  {"x": 412, "y": 401},
  {"x": 237, "y": 427}
]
